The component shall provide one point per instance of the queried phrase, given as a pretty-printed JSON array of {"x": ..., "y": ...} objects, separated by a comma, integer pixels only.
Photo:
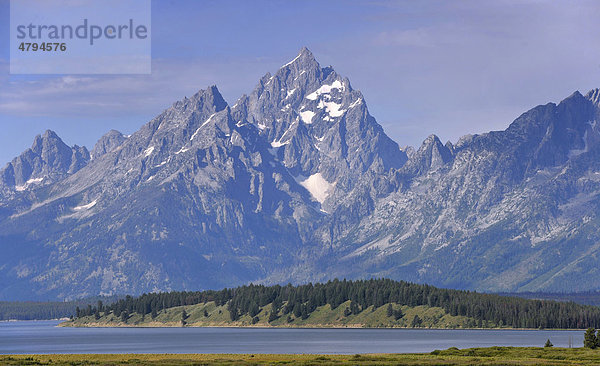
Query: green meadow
[{"x": 452, "y": 356}]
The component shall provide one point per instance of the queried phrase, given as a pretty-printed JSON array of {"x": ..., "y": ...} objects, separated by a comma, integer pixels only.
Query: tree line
[
  {"x": 21, "y": 310},
  {"x": 484, "y": 309}
]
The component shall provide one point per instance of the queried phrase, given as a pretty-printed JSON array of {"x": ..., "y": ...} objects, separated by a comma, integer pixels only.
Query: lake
[{"x": 43, "y": 337}]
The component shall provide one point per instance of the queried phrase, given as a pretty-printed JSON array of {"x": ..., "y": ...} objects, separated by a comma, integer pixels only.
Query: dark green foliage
[
  {"x": 354, "y": 308},
  {"x": 583, "y": 298},
  {"x": 205, "y": 313},
  {"x": 396, "y": 314},
  {"x": 589, "y": 338},
  {"x": 305, "y": 314},
  {"x": 548, "y": 343},
  {"x": 416, "y": 322},
  {"x": 301, "y": 301},
  {"x": 347, "y": 311},
  {"x": 297, "y": 310},
  {"x": 124, "y": 316},
  {"x": 273, "y": 316},
  {"x": 184, "y": 316},
  {"x": 30, "y": 310},
  {"x": 254, "y": 310}
]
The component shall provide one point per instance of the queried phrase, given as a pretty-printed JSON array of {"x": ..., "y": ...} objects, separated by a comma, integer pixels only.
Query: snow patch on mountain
[
  {"x": 290, "y": 93},
  {"x": 276, "y": 144},
  {"x": 332, "y": 108},
  {"x": 86, "y": 207},
  {"x": 291, "y": 62},
  {"x": 317, "y": 186},
  {"x": 202, "y": 125},
  {"x": 148, "y": 151},
  {"x": 355, "y": 103},
  {"x": 23, "y": 187},
  {"x": 307, "y": 116},
  {"x": 325, "y": 89},
  {"x": 594, "y": 96}
]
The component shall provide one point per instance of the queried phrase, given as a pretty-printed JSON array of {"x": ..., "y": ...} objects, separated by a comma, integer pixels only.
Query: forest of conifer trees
[{"x": 302, "y": 300}]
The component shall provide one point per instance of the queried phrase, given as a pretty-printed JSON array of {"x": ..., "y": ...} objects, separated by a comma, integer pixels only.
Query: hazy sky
[{"x": 444, "y": 67}]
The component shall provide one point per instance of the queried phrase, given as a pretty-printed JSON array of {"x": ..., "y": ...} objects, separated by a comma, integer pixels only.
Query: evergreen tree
[
  {"x": 184, "y": 317},
  {"x": 273, "y": 316},
  {"x": 398, "y": 314},
  {"x": 548, "y": 343},
  {"x": 416, "y": 322},
  {"x": 297, "y": 310},
  {"x": 205, "y": 313},
  {"x": 390, "y": 310},
  {"x": 124, "y": 316},
  {"x": 347, "y": 311},
  {"x": 254, "y": 309},
  {"x": 305, "y": 313},
  {"x": 589, "y": 338},
  {"x": 354, "y": 308}
]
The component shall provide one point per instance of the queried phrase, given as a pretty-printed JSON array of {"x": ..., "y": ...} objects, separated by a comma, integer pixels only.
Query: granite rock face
[
  {"x": 107, "y": 143},
  {"x": 298, "y": 182},
  {"x": 47, "y": 161}
]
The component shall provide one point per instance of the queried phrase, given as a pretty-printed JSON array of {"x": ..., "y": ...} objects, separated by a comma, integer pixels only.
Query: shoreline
[
  {"x": 302, "y": 327},
  {"x": 34, "y": 320}
]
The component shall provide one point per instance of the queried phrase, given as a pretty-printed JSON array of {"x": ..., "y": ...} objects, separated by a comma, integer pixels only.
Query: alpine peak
[{"x": 594, "y": 96}]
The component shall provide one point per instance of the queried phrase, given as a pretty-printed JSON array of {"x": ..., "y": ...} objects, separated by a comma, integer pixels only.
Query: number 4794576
[{"x": 44, "y": 46}]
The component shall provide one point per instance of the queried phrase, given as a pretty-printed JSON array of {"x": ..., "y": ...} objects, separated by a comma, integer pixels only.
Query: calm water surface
[{"x": 44, "y": 337}]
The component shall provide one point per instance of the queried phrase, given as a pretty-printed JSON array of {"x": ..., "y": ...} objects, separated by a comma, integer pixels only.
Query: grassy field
[
  {"x": 452, "y": 356},
  {"x": 209, "y": 314}
]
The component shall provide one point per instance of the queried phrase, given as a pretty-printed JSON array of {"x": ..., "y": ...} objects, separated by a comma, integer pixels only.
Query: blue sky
[{"x": 444, "y": 67}]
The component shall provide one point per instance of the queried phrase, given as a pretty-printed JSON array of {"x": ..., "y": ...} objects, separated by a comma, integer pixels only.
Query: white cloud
[{"x": 82, "y": 96}]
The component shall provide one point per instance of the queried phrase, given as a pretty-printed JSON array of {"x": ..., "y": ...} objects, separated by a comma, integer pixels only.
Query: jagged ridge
[{"x": 296, "y": 182}]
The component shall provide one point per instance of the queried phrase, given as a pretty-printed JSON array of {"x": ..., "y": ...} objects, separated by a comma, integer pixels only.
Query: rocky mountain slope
[
  {"x": 49, "y": 160},
  {"x": 295, "y": 182}
]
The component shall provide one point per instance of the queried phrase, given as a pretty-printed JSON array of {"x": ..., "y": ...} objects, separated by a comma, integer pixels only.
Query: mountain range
[{"x": 298, "y": 182}]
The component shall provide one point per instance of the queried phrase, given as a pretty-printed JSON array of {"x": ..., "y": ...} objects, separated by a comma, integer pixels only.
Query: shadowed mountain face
[{"x": 298, "y": 182}]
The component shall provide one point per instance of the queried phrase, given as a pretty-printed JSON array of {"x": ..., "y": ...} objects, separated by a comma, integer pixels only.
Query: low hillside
[
  {"x": 372, "y": 303},
  {"x": 211, "y": 315}
]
